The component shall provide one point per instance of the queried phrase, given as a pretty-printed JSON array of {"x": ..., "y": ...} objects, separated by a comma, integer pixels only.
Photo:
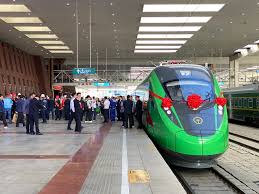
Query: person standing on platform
[
  {"x": 19, "y": 109},
  {"x": 118, "y": 108},
  {"x": 57, "y": 108},
  {"x": 106, "y": 107},
  {"x": 77, "y": 112},
  {"x": 34, "y": 108},
  {"x": 26, "y": 112},
  {"x": 44, "y": 105},
  {"x": 128, "y": 107},
  {"x": 51, "y": 107},
  {"x": 89, "y": 112},
  {"x": 2, "y": 111},
  {"x": 8, "y": 103},
  {"x": 113, "y": 109},
  {"x": 72, "y": 111},
  {"x": 94, "y": 106},
  {"x": 122, "y": 111},
  {"x": 139, "y": 112},
  {"x": 67, "y": 107}
]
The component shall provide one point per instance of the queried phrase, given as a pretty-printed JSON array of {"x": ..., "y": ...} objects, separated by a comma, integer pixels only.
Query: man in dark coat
[
  {"x": 128, "y": 107},
  {"x": 19, "y": 108},
  {"x": 118, "y": 107},
  {"x": 77, "y": 112},
  {"x": 34, "y": 108},
  {"x": 26, "y": 107},
  {"x": 67, "y": 107},
  {"x": 139, "y": 112}
]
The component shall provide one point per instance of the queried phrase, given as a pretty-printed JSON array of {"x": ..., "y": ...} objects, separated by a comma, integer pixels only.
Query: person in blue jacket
[
  {"x": 113, "y": 104},
  {"x": 8, "y": 103},
  {"x": 19, "y": 109},
  {"x": 2, "y": 111}
]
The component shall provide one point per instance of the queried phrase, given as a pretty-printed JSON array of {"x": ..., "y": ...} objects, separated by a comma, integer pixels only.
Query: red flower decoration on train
[
  {"x": 194, "y": 101},
  {"x": 167, "y": 102},
  {"x": 221, "y": 101}
]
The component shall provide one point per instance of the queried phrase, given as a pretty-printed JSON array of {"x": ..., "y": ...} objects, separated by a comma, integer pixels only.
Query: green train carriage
[
  {"x": 243, "y": 103},
  {"x": 189, "y": 137}
]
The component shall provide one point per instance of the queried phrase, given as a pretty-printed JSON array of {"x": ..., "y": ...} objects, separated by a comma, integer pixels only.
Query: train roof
[{"x": 252, "y": 88}]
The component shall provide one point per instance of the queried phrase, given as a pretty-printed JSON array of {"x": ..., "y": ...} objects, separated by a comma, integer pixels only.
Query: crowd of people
[{"x": 29, "y": 110}]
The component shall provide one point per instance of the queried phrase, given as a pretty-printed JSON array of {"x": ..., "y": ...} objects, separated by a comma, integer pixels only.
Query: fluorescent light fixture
[
  {"x": 182, "y": 7},
  {"x": 164, "y": 36},
  {"x": 169, "y": 28},
  {"x": 256, "y": 42},
  {"x": 174, "y": 19},
  {"x": 243, "y": 52},
  {"x": 61, "y": 51},
  {"x": 161, "y": 41},
  {"x": 13, "y": 8},
  {"x": 32, "y": 28},
  {"x": 21, "y": 20},
  {"x": 158, "y": 47},
  {"x": 56, "y": 47},
  {"x": 41, "y": 36},
  {"x": 155, "y": 51},
  {"x": 50, "y": 42},
  {"x": 252, "y": 48}
]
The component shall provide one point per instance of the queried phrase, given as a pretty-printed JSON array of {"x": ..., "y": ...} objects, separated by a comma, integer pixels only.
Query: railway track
[
  {"x": 244, "y": 141},
  {"x": 211, "y": 180}
]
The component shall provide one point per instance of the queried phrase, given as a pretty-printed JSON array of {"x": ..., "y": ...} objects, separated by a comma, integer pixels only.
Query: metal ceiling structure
[{"x": 115, "y": 25}]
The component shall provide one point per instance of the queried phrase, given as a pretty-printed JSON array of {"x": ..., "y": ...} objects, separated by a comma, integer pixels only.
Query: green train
[
  {"x": 185, "y": 115},
  {"x": 243, "y": 103}
]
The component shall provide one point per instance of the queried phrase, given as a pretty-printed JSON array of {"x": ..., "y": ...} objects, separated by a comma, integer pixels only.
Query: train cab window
[
  {"x": 244, "y": 102},
  {"x": 180, "y": 90},
  {"x": 257, "y": 102},
  {"x": 250, "y": 102}
]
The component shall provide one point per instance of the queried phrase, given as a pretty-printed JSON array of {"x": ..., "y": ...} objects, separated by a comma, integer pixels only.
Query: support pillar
[{"x": 233, "y": 73}]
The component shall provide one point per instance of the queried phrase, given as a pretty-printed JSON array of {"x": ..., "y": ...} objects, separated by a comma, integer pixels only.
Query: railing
[{"x": 66, "y": 76}]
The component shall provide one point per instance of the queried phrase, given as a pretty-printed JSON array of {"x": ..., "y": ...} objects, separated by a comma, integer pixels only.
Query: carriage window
[
  {"x": 250, "y": 102},
  {"x": 257, "y": 102},
  {"x": 235, "y": 102},
  {"x": 240, "y": 103},
  {"x": 244, "y": 102}
]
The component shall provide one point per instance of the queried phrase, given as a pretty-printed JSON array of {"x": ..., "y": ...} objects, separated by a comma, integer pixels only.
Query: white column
[{"x": 236, "y": 62}]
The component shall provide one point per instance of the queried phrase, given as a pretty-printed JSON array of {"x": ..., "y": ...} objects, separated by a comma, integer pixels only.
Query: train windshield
[{"x": 180, "y": 90}]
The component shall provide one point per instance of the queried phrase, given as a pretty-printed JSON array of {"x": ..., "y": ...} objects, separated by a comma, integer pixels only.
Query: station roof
[{"x": 116, "y": 24}]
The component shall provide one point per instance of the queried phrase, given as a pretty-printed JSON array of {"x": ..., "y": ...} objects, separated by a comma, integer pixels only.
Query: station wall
[{"x": 21, "y": 72}]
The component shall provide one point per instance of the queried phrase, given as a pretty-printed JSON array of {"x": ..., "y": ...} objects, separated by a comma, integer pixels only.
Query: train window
[
  {"x": 257, "y": 102},
  {"x": 180, "y": 90},
  {"x": 240, "y": 103},
  {"x": 250, "y": 102},
  {"x": 244, "y": 102},
  {"x": 235, "y": 102}
]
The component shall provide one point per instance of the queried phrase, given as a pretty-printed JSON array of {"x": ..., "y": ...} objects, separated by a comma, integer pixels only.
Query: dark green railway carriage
[{"x": 243, "y": 103}]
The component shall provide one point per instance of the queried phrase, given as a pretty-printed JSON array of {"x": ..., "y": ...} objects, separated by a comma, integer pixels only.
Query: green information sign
[{"x": 83, "y": 71}]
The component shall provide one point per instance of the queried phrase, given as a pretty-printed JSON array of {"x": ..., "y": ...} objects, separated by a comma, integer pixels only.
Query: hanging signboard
[
  {"x": 101, "y": 84},
  {"x": 83, "y": 71}
]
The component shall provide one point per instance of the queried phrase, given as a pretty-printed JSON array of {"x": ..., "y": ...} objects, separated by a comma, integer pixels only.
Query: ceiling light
[
  {"x": 168, "y": 28},
  {"x": 68, "y": 4},
  {"x": 158, "y": 47},
  {"x": 243, "y": 52},
  {"x": 164, "y": 36},
  {"x": 61, "y": 51},
  {"x": 182, "y": 7},
  {"x": 55, "y": 47},
  {"x": 21, "y": 20},
  {"x": 13, "y": 8},
  {"x": 33, "y": 28},
  {"x": 175, "y": 19},
  {"x": 49, "y": 42},
  {"x": 256, "y": 42},
  {"x": 41, "y": 36},
  {"x": 161, "y": 41},
  {"x": 155, "y": 51},
  {"x": 250, "y": 45}
]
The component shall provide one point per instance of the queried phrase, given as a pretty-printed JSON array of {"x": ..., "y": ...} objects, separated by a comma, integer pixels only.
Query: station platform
[{"x": 102, "y": 159}]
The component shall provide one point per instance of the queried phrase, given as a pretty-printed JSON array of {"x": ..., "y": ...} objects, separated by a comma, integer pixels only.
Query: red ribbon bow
[
  {"x": 167, "y": 102},
  {"x": 221, "y": 101},
  {"x": 194, "y": 101}
]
